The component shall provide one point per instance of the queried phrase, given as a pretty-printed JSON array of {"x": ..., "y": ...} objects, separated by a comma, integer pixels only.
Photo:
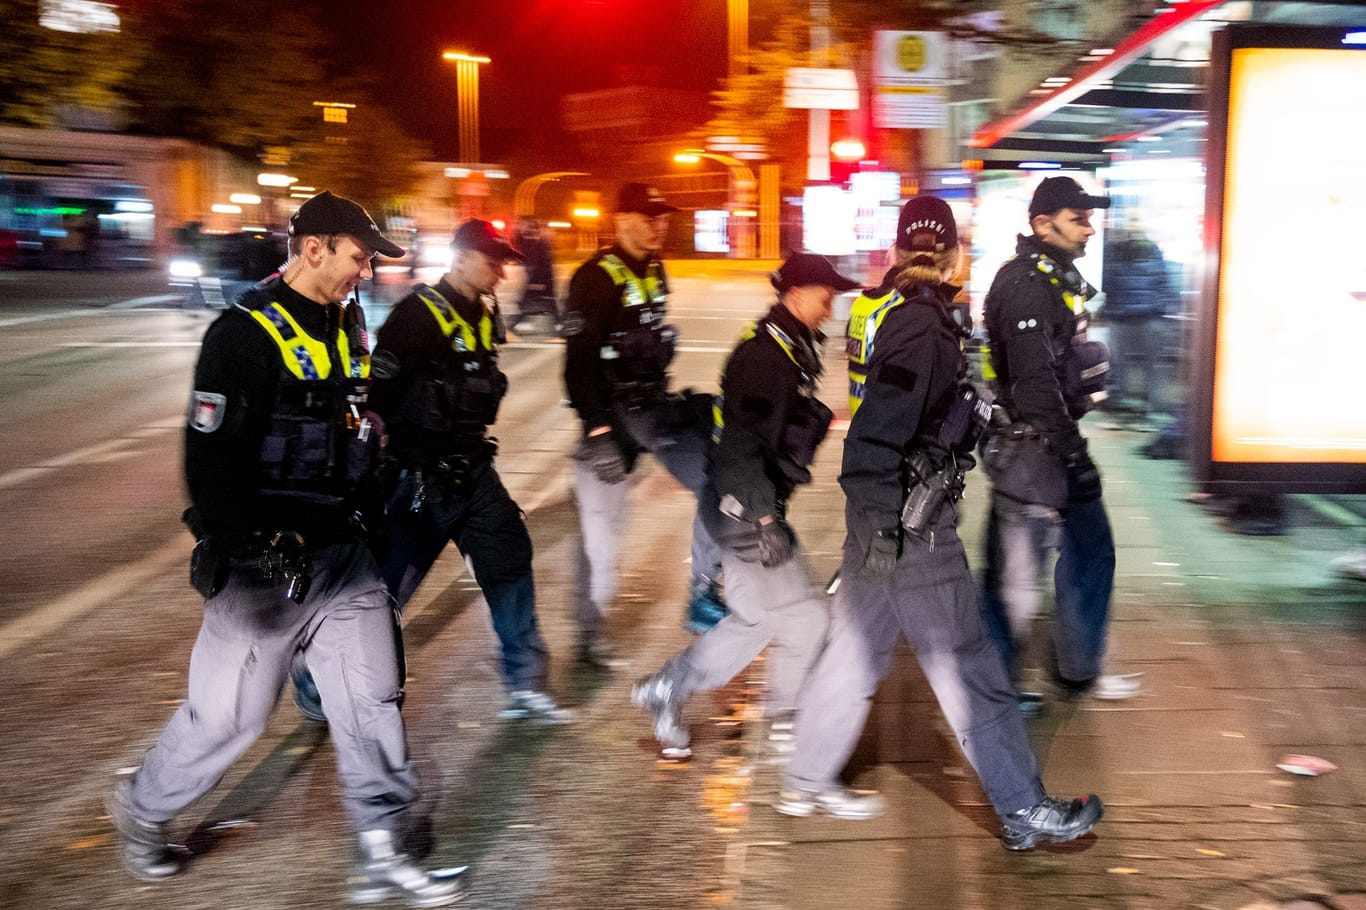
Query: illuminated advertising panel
[
  {"x": 710, "y": 232},
  {"x": 1278, "y": 397}
]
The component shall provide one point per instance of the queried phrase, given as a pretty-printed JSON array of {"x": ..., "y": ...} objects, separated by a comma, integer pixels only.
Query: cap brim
[
  {"x": 509, "y": 253},
  {"x": 382, "y": 245},
  {"x": 1097, "y": 202},
  {"x": 654, "y": 209}
]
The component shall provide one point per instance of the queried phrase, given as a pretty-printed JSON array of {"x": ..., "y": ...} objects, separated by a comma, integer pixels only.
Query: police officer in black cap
[
  {"x": 1046, "y": 490},
  {"x": 618, "y": 347},
  {"x": 905, "y": 572},
  {"x": 279, "y": 451},
  {"x": 438, "y": 387},
  {"x": 768, "y": 424}
]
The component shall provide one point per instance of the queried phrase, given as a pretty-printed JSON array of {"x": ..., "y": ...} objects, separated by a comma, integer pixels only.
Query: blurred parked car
[{"x": 213, "y": 269}]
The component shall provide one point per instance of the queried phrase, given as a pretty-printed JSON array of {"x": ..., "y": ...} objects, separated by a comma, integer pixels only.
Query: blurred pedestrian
[
  {"x": 618, "y": 348},
  {"x": 278, "y": 445},
  {"x": 1138, "y": 296},
  {"x": 438, "y": 386},
  {"x": 905, "y": 572},
  {"x": 767, "y": 428},
  {"x": 1046, "y": 489},
  {"x": 538, "y": 297}
]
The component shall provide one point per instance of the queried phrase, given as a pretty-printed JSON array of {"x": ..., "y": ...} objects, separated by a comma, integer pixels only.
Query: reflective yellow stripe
[
  {"x": 305, "y": 356},
  {"x": 638, "y": 291},
  {"x": 449, "y": 320},
  {"x": 865, "y": 316}
]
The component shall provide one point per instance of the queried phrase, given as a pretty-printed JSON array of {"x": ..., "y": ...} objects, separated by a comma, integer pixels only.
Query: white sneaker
[
  {"x": 537, "y": 707},
  {"x": 1116, "y": 688},
  {"x": 1351, "y": 565}
]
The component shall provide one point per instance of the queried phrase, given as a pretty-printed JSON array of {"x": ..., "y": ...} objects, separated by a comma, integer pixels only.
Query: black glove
[
  {"x": 604, "y": 456},
  {"x": 1083, "y": 479},
  {"x": 883, "y": 549},
  {"x": 777, "y": 543}
]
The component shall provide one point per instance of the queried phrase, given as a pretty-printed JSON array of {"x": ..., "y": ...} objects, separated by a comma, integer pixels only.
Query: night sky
[{"x": 541, "y": 49}]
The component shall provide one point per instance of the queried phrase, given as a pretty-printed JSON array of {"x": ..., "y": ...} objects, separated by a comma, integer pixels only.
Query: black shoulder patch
[{"x": 895, "y": 376}]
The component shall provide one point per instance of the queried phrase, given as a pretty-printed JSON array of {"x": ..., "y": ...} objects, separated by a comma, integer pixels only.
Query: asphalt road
[{"x": 97, "y": 620}]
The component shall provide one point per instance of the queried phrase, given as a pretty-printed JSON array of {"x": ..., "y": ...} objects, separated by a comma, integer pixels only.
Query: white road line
[
  {"x": 116, "y": 583},
  {"x": 61, "y": 314},
  {"x": 129, "y": 344},
  {"x": 48, "y": 618},
  {"x": 89, "y": 453}
]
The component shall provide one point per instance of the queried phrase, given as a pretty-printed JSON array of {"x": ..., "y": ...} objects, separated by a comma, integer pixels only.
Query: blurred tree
[
  {"x": 51, "y": 78},
  {"x": 248, "y": 90},
  {"x": 211, "y": 79}
]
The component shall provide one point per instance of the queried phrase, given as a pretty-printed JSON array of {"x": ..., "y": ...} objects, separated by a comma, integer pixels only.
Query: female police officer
[
  {"x": 767, "y": 427},
  {"x": 904, "y": 568}
]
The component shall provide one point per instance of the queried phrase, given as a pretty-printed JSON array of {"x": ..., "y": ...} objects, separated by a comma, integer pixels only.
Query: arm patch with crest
[{"x": 207, "y": 410}]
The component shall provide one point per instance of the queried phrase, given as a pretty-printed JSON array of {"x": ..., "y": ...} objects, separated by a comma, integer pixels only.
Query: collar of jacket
[
  {"x": 639, "y": 266},
  {"x": 317, "y": 319},
  {"x": 809, "y": 342},
  {"x": 1029, "y": 244},
  {"x": 470, "y": 310}
]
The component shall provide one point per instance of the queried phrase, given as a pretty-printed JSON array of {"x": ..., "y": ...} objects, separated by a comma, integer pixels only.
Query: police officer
[
  {"x": 1046, "y": 490},
  {"x": 617, "y": 352},
  {"x": 904, "y": 568},
  {"x": 278, "y": 445},
  {"x": 768, "y": 424},
  {"x": 438, "y": 387}
]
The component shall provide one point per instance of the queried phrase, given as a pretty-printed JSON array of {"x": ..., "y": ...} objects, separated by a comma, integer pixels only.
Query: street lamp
[
  {"x": 467, "y": 99},
  {"x": 742, "y": 196},
  {"x": 737, "y": 17},
  {"x": 524, "y": 200}
]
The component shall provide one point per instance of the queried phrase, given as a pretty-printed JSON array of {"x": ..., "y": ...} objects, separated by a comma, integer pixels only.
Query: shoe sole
[{"x": 798, "y": 810}]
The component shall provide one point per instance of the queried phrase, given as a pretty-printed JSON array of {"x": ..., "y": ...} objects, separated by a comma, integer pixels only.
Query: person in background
[
  {"x": 1138, "y": 295},
  {"x": 538, "y": 296},
  {"x": 767, "y": 428}
]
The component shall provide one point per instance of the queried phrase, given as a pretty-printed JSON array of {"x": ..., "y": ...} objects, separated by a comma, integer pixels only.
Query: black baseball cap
[
  {"x": 637, "y": 197},
  {"x": 802, "y": 269},
  {"x": 926, "y": 224},
  {"x": 1054, "y": 194},
  {"x": 483, "y": 237},
  {"x": 326, "y": 214}
]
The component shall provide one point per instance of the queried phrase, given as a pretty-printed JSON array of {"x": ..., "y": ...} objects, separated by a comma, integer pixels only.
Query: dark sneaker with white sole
[
  {"x": 837, "y": 802},
  {"x": 1051, "y": 820}
]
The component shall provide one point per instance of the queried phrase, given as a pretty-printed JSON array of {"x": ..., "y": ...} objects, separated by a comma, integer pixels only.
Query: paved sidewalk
[{"x": 1250, "y": 648}]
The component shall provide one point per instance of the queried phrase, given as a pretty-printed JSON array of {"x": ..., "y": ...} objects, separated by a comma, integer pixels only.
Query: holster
[
  {"x": 1022, "y": 467},
  {"x": 208, "y": 568}
]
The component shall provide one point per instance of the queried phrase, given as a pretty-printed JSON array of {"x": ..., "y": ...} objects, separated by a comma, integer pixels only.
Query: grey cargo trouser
[
  {"x": 604, "y": 513},
  {"x": 778, "y": 605},
  {"x": 348, "y": 635},
  {"x": 928, "y": 598}
]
